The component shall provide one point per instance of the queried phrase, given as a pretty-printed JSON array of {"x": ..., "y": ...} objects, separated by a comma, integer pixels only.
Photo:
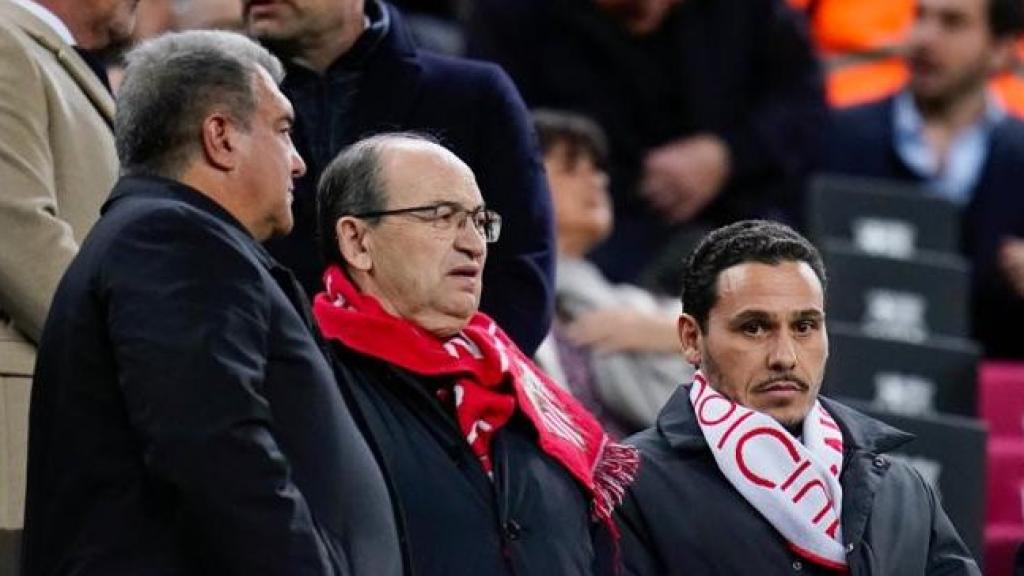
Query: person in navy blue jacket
[
  {"x": 353, "y": 72},
  {"x": 712, "y": 107},
  {"x": 184, "y": 420},
  {"x": 945, "y": 132}
]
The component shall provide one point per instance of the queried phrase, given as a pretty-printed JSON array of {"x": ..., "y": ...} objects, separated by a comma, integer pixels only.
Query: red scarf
[{"x": 492, "y": 379}]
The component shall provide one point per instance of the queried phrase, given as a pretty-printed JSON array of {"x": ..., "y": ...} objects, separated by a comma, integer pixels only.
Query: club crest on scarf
[
  {"x": 792, "y": 484},
  {"x": 492, "y": 378}
]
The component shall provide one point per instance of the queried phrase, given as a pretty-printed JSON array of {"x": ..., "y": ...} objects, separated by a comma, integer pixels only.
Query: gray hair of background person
[
  {"x": 760, "y": 241},
  {"x": 352, "y": 184},
  {"x": 172, "y": 83}
]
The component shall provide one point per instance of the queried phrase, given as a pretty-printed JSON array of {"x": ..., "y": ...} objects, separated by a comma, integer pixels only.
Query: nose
[
  {"x": 782, "y": 356},
  {"x": 298, "y": 165},
  {"x": 469, "y": 239}
]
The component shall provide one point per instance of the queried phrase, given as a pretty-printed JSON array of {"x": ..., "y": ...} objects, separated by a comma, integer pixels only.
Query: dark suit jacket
[
  {"x": 184, "y": 420},
  {"x": 683, "y": 517},
  {"x": 741, "y": 69},
  {"x": 477, "y": 113},
  {"x": 861, "y": 144}
]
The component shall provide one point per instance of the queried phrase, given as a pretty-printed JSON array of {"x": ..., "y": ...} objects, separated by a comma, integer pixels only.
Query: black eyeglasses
[{"x": 448, "y": 216}]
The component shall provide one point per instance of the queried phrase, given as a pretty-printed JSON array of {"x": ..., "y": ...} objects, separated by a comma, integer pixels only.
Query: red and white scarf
[
  {"x": 793, "y": 485},
  {"x": 493, "y": 378}
]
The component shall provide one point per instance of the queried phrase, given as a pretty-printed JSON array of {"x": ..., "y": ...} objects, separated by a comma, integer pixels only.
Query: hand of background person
[
  {"x": 681, "y": 178},
  {"x": 1011, "y": 261},
  {"x": 612, "y": 330}
]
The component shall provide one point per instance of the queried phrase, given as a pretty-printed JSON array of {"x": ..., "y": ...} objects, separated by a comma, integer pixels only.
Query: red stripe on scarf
[{"x": 489, "y": 386}]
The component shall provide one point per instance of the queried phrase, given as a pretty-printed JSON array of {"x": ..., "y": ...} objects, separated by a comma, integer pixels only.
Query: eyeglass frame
[{"x": 494, "y": 217}]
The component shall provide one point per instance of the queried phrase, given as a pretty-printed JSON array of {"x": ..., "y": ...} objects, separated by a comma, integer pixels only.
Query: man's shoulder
[
  {"x": 863, "y": 118},
  {"x": 459, "y": 72}
]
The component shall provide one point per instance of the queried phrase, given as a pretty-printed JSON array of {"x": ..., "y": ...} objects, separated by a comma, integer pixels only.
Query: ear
[
  {"x": 219, "y": 141},
  {"x": 353, "y": 244},
  {"x": 690, "y": 338}
]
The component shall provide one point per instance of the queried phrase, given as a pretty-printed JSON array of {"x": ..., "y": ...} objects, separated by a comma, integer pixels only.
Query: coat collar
[
  {"x": 677, "y": 423},
  {"x": 164, "y": 188},
  {"x": 44, "y": 35}
]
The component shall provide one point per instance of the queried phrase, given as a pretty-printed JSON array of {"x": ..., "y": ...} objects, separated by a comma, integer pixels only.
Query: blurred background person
[
  {"x": 945, "y": 130},
  {"x": 712, "y": 107},
  {"x": 862, "y": 42},
  {"x": 353, "y": 71},
  {"x": 614, "y": 346},
  {"x": 57, "y": 164}
]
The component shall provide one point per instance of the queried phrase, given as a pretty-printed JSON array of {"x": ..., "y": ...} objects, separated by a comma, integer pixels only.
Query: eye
[
  {"x": 805, "y": 326},
  {"x": 753, "y": 327},
  {"x": 445, "y": 213}
]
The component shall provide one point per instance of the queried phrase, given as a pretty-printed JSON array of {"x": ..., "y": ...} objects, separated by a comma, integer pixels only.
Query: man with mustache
[
  {"x": 353, "y": 72},
  {"x": 948, "y": 133},
  {"x": 748, "y": 470}
]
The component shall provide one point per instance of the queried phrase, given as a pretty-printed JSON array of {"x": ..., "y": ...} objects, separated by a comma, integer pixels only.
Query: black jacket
[
  {"x": 682, "y": 516},
  {"x": 184, "y": 420},
  {"x": 532, "y": 519},
  {"x": 743, "y": 70},
  {"x": 475, "y": 111},
  {"x": 861, "y": 144}
]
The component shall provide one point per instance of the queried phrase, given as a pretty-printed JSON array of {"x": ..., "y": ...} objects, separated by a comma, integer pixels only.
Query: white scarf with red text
[{"x": 793, "y": 485}]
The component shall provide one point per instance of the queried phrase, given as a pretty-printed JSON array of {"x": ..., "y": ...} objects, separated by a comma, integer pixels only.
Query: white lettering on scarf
[{"x": 794, "y": 486}]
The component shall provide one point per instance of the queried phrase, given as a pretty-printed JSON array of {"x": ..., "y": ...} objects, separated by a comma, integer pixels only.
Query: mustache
[{"x": 787, "y": 377}]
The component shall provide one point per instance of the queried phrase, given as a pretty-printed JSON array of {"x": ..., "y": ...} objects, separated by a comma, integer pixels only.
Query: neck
[
  {"x": 954, "y": 114},
  {"x": 213, "y": 185},
  {"x": 87, "y": 34},
  {"x": 574, "y": 246},
  {"x": 318, "y": 51}
]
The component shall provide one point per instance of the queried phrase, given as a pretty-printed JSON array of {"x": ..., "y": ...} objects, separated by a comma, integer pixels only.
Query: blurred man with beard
[
  {"x": 353, "y": 72},
  {"x": 57, "y": 164},
  {"x": 748, "y": 469},
  {"x": 945, "y": 131}
]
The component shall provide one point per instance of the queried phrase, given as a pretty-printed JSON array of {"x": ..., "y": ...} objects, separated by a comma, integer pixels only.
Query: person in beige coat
[{"x": 57, "y": 165}]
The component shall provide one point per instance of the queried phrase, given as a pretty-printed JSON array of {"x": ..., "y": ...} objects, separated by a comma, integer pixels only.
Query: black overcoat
[
  {"x": 184, "y": 420},
  {"x": 683, "y": 517}
]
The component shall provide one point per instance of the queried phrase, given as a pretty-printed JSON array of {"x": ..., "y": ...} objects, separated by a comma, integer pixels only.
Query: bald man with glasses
[{"x": 471, "y": 436}]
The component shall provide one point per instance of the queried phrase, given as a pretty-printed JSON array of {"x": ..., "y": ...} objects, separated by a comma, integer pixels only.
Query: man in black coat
[
  {"x": 183, "y": 418},
  {"x": 748, "y": 470},
  {"x": 493, "y": 468},
  {"x": 712, "y": 107},
  {"x": 353, "y": 72},
  {"x": 946, "y": 132}
]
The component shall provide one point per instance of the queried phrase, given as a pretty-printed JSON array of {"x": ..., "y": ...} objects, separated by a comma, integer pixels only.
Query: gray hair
[
  {"x": 352, "y": 184},
  {"x": 172, "y": 83}
]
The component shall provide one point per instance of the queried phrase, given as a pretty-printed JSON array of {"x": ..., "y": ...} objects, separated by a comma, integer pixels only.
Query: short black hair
[
  {"x": 353, "y": 184},
  {"x": 745, "y": 241},
  {"x": 581, "y": 136},
  {"x": 1005, "y": 17}
]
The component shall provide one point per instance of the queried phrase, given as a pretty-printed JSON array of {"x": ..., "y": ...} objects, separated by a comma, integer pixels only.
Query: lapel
[
  {"x": 66, "y": 55},
  {"x": 863, "y": 467},
  {"x": 390, "y": 83}
]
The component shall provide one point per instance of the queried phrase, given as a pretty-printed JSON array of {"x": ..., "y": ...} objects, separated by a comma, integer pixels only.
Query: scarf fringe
[{"x": 615, "y": 471}]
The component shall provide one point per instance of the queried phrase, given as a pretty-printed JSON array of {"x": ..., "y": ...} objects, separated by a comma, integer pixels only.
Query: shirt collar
[
  {"x": 908, "y": 118},
  {"x": 51, "y": 19}
]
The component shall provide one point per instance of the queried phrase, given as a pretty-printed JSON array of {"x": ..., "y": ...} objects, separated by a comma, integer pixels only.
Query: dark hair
[
  {"x": 352, "y": 184},
  {"x": 170, "y": 86},
  {"x": 580, "y": 135},
  {"x": 1005, "y": 17},
  {"x": 745, "y": 241}
]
